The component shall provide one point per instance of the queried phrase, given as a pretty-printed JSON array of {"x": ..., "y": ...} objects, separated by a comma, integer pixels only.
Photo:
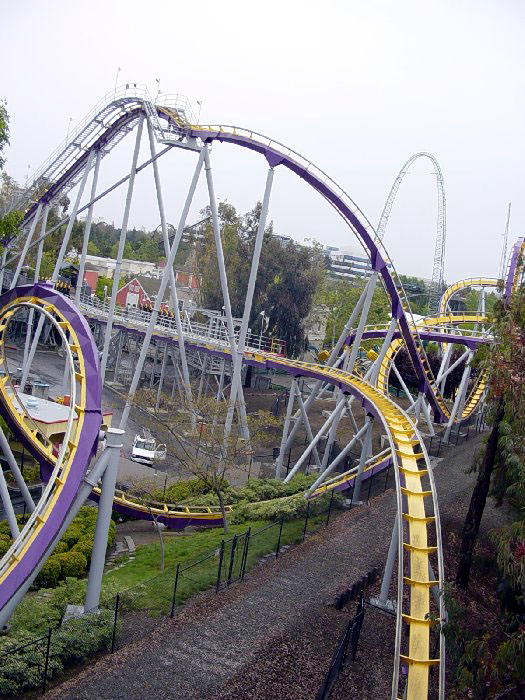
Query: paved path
[{"x": 193, "y": 658}]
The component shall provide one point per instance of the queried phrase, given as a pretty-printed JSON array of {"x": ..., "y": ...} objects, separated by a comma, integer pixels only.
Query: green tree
[
  {"x": 4, "y": 131},
  {"x": 417, "y": 292},
  {"x": 104, "y": 282},
  {"x": 128, "y": 251},
  {"x": 148, "y": 250},
  {"x": 206, "y": 456},
  {"x": 92, "y": 248},
  {"x": 502, "y": 463},
  {"x": 9, "y": 223},
  {"x": 48, "y": 264},
  {"x": 341, "y": 296},
  {"x": 286, "y": 281}
]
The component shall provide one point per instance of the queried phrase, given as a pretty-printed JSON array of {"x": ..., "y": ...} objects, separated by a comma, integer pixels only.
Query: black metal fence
[
  {"x": 346, "y": 649},
  {"x": 460, "y": 432},
  {"x": 216, "y": 569},
  {"x": 126, "y": 616}
]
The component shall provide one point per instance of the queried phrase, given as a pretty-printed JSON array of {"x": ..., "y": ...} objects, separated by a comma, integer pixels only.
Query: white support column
[
  {"x": 15, "y": 469},
  {"x": 2, "y": 268},
  {"x": 5, "y": 498},
  {"x": 27, "y": 241},
  {"x": 382, "y": 353},
  {"x": 105, "y": 505},
  {"x": 204, "y": 364},
  {"x": 403, "y": 385},
  {"x": 162, "y": 373},
  {"x": 332, "y": 361},
  {"x": 286, "y": 427},
  {"x": 383, "y": 601},
  {"x": 445, "y": 361},
  {"x": 119, "y": 354},
  {"x": 459, "y": 402},
  {"x": 120, "y": 252},
  {"x": 224, "y": 284},
  {"x": 349, "y": 361},
  {"x": 87, "y": 228},
  {"x": 308, "y": 427},
  {"x": 332, "y": 433},
  {"x": 333, "y": 416},
  {"x": 58, "y": 265},
  {"x": 90, "y": 480},
  {"x": 351, "y": 416},
  {"x": 172, "y": 280},
  {"x": 426, "y": 412},
  {"x": 366, "y": 451},
  {"x": 452, "y": 367},
  {"x": 338, "y": 459},
  {"x": 417, "y": 407},
  {"x": 370, "y": 288},
  {"x": 39, "y": 253},
  {"x": 220, "y": 394},
  {"x": 160, "y": 295},
  {"x": 238, "y": 357}
]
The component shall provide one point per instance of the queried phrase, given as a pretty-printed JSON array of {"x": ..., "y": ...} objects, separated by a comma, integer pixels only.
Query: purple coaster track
[{"x": 39, "y": 534}]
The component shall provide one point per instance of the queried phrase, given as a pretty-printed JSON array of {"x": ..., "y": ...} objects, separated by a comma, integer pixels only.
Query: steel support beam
[
  {"x": 334, "y": 356},
  {"x": 162, "y": 373},
  {"x": 288, "y": 418},
  {"x": 13, "y": 466},
  {"x": 58, "y": 265},
  {"x": 36, "y": 276},
  {"x": 8, "y": 506},
  {"x": 241, "y": 343},
  {"x": 366, "y": 451},
  {"x": 86, "y": 206},
  {"x": 459, "y": 402},
  {"x": 105, "y": 506},
  {"x": 87, "y": 228},
  {"x": 160, "y": 295},
  {"x": 329, "y": 469},
  {"x": 224, "y": 288},
  {"x": 370, "y": 288},
  {"x": 382, "y": 353},
  {"x": 172, "y": 279},
  {"x": 27, "y": 241},
  {"x": 120, "y": 252},
  {"x": 333, "y": 416}
]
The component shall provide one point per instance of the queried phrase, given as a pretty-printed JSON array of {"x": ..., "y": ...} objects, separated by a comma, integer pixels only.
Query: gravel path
[{"x": 244, "y": 638}]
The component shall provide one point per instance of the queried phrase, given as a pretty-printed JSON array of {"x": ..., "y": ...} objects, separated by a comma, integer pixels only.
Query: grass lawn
[{"x": 143, "y": 587}]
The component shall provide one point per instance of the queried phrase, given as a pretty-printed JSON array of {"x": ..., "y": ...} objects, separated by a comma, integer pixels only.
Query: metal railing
[
  {"x": 194, "y": 330},
  {"x": 347, "y": 643}
]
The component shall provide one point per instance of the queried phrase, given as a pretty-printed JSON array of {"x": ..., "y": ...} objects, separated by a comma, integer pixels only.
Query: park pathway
[{"x": 216, "y": 638}]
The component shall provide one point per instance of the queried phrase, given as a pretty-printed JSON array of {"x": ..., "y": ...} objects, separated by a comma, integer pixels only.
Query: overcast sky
[{"x": 356, "y": 87}]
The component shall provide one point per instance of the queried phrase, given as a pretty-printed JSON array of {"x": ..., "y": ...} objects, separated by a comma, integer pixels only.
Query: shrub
[
  {"x": 192, "y": 491},
  {"x": 60, "y": 548},
  {"x": 73, "y": 642},
  {"x": 85, "y": 547},
  {"x": 180, "y": 491},
  {"x": 289, "y": 508},
  {"x": 49, "y": 574},
  {"x": 72, "y": 563},
  {"x": 4, "y": 546}
]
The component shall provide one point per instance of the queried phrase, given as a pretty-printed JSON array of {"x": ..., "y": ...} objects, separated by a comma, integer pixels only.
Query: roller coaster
[{"x": 77, "y": 468}]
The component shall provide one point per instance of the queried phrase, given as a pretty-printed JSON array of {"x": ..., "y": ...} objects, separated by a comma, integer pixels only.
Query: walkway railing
[{"x": 195, "y": 330}]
